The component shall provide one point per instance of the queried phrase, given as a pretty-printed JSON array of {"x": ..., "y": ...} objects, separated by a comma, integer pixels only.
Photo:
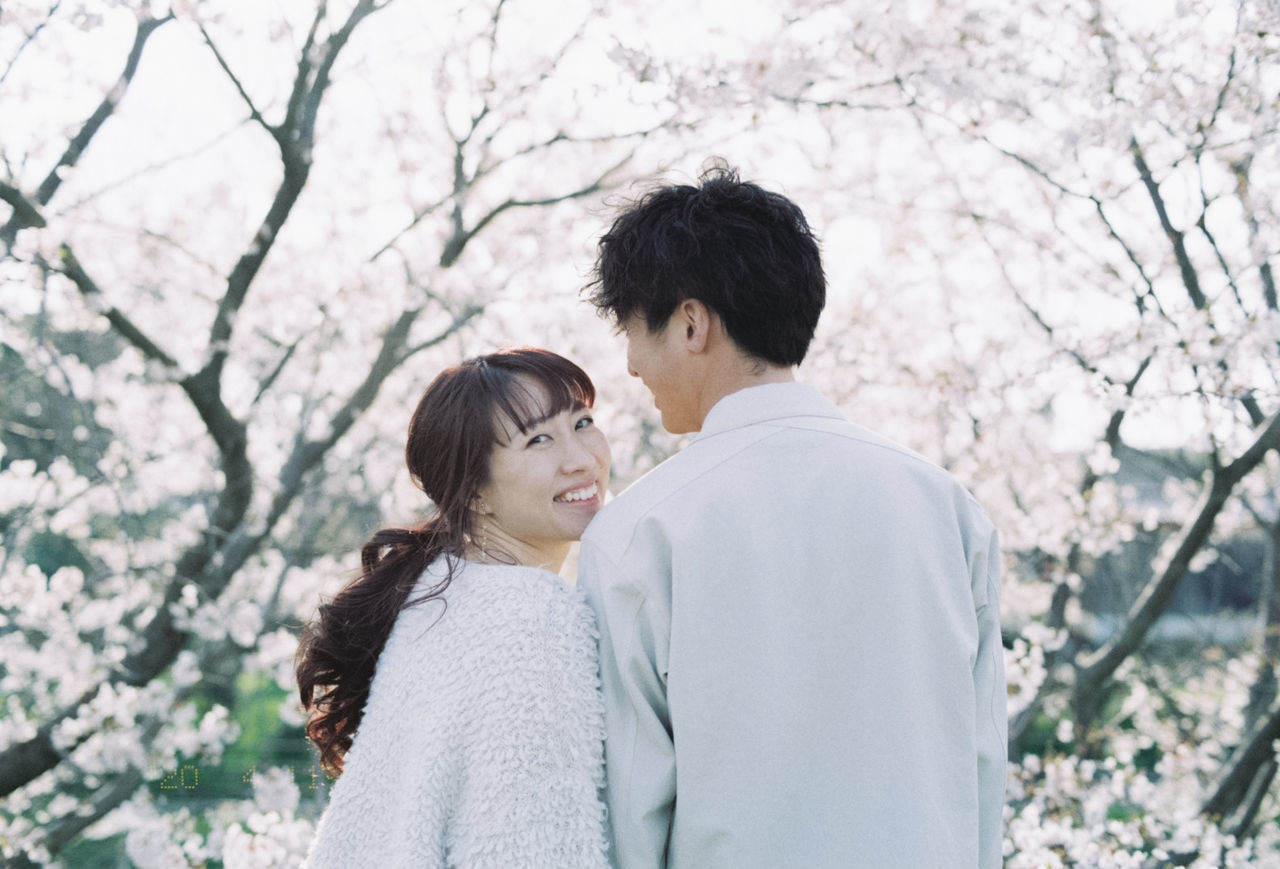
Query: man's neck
[{"x": 740, "y": 378}]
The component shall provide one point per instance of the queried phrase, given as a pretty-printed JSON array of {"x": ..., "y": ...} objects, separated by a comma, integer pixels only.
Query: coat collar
[{"x": 771, "y": 401}]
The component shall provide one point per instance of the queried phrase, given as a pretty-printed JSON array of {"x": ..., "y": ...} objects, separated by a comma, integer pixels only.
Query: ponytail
[{"x": 339, "y": 651}]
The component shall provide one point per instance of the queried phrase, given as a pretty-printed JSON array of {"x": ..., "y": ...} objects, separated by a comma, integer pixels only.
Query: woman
[{"x": 453, "y": 684}]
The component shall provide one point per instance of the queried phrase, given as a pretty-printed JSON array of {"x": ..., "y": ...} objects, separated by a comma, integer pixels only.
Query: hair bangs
[{"x": 534, "y": 385}]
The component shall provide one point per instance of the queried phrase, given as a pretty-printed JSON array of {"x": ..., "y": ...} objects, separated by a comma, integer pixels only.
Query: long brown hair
[{"x": 451, "y": 437}]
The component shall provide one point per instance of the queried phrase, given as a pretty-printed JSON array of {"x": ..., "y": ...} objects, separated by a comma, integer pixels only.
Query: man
[{"x": 800, "y": 644}]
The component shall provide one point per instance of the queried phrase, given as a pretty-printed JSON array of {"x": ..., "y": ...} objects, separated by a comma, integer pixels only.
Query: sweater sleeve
[{"x": 532, "y": 756}]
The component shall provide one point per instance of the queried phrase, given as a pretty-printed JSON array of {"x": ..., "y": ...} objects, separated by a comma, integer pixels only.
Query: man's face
[{"x": 660, "y": 360}]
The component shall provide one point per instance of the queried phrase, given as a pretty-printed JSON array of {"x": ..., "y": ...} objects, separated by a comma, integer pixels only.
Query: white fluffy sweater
[{"x": 480, "y": 744}]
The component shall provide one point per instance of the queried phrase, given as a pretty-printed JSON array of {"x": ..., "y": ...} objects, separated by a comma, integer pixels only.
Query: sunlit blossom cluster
[{"x": 1119, "y": 810}]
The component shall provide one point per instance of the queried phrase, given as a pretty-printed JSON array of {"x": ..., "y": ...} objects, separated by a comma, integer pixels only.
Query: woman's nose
[{"x": 577, "y": 457}]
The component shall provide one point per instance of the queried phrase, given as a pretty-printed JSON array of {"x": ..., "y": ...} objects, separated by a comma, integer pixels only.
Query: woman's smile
[{"x": 580, "y": 495}]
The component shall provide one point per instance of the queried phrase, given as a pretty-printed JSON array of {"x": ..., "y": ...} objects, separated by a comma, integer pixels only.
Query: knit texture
[{"x": 481, "y": 742}]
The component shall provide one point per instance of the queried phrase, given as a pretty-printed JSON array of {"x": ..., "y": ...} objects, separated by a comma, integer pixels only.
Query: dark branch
[
  {"x": 1098, "y": 668},
  {"x": 71, "y": 156},
  {"x": 25, "y": 212},
  {"x": 454, "y": 246},
  {"x": 1241, "y": 170},
  {"x": 106, "y": 798},
  {"x": 324, "y": 70},
  {"x": 302, "y": 80},
  {"x": 76, "y": 147},
  {"x": 276, "y": 370},
  {"x": 212, "y": 561},
  {"x": 307, "y": 454},
  {"x": 295, "y": 137},
  {"x": 459, "y": 322},
  {"x": 1190, "y": 279},
  {"x": 1245, "y": 766},
  {"x": 239, "y": 86},
  {"x": 118, "y": 319},
  {"x": 1133, "y": 260},
  {"x": 30, "y": 38}
]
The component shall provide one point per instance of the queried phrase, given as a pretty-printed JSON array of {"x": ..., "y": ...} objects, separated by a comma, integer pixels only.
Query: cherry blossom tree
[
  {"x": 1050, "y": 250},
  {"x": 205, "y": 298}
]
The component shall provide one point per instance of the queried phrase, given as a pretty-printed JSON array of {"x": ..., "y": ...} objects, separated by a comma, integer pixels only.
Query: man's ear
[{"x": 695, "y": 321}]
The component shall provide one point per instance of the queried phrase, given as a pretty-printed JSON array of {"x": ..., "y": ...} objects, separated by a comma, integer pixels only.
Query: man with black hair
[{"x": 800, "y": 645}]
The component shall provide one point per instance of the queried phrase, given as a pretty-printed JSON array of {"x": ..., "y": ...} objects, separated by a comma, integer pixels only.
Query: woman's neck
[{"x": 492, "y": 545}]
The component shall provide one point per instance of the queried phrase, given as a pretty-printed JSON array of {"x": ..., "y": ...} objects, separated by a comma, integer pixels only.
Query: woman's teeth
[{"x": 583, "y": 494}]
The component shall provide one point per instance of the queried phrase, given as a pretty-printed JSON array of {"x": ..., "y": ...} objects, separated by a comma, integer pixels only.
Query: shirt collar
[{"x": 769, "y": 401}]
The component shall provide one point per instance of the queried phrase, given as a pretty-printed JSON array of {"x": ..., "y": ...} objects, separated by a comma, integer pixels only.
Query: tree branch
[
  {"x": 1190, "y": 279},
  {"x": 1095, "y": 670},
  {"x": 1241, "y": 170},
  {"x": 59, "y": 833},
  {"x": 305, "y": 60},
  {"x": 106, "y": 798},
  {"x": 239, "y": 86},
  {"x": 29, "y": 38},
  {"x": 324, "y": 70},
  {"x": 296, "y": 137},
  {"x": 1246, "y": 764},
  {"x": 1222, "y": 96},
  {"x": 463, "y": 182},
  {"x": 131, "y": 332},
  {"x": 1056, "y": 616},
  {"x": 454, "y": 246},
  {"x": 306, "y": 454},
  {"x": 1062, "y": 188},
  {"x": 25, "y": 213},
  {"x": 161, "y": 640},
  {"x": 276, "y": 370},
  {"x": 418, "y": 216},
  {"x": 71, "y": 156},
  {"x": 467, "y": 314},
  {"x": 1133, "y": 260},
  {"x": 76, "y": 147},
  {"x": 227, "y": 432}
]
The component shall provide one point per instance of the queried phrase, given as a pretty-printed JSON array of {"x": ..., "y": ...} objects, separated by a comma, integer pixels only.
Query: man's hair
[{"x": 744, "y": 252}]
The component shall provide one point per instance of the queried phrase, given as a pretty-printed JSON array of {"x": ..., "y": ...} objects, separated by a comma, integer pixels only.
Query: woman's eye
[
  {"x": 539, "y": 439},
  {"x": 585, "y": 422}
]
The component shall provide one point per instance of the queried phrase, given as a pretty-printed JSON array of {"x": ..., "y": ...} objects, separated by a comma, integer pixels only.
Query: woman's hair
[{"x": 451, "y": 437}]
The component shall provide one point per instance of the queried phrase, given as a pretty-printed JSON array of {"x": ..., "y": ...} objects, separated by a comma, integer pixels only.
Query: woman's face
[{"x": 544, "y": 485}]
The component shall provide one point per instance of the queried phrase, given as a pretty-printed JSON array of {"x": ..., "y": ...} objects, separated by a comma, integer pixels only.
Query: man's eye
[
  {"x": 585, "y": 422},
  {"x": 538, "y": 439}
]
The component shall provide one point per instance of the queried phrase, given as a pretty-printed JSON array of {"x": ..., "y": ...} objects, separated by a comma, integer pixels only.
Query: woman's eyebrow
[{"x": 537, "y": 421}]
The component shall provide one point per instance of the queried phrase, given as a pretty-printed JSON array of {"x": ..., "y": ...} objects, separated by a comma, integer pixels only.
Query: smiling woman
[
  {"x": 457, "y": 651},
  {"x": 547, "y": 476}
]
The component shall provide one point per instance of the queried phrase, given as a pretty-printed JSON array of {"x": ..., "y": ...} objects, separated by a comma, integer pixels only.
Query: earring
[{"x": 483, "y": 510}]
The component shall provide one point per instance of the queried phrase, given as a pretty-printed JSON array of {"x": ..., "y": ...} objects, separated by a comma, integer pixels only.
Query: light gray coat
[{"x": 800, "y": 651}]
